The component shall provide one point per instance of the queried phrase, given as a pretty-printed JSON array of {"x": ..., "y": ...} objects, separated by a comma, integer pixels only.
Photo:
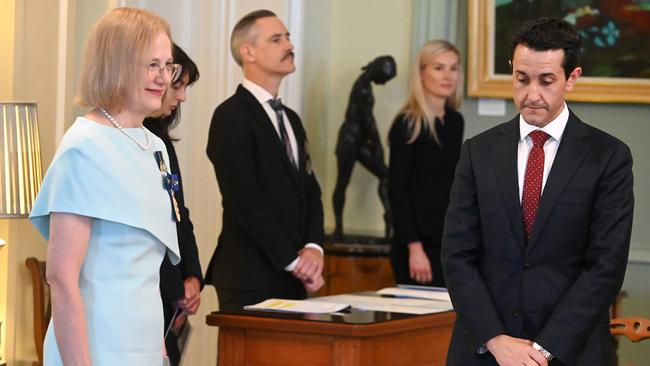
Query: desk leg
[{"x": 231, "y": 347}]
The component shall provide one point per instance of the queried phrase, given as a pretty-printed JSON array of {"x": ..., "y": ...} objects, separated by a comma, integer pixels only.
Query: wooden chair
[
  {"x": 614, "y": 312},
  {"x": 42, "y": 305},
  {"x": 634, "y": 328}
]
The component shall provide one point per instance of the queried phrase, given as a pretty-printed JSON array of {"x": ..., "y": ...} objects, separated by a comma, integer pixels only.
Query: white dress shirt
[
  {"x": 263, "y": 96},
  {"x": 555, "y": 129}
]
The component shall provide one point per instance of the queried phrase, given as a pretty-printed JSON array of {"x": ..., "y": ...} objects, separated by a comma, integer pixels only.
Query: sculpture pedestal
[{"x": 353, "y": 267}]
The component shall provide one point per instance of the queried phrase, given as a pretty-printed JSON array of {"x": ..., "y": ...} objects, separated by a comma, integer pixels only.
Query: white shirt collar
[
  {"x": 262, "y": 95},
  {"x": 555, "y": 128}
]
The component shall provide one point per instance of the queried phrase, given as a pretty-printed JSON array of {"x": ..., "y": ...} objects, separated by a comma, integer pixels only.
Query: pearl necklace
[{"x": 144, "y": 146}]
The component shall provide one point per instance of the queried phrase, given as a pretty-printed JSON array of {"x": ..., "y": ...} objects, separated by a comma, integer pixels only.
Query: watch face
[{"x": 547, "y": 355}]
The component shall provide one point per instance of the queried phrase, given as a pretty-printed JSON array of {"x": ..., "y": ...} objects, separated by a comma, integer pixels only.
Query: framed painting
[{"x": 615, "y": 53}]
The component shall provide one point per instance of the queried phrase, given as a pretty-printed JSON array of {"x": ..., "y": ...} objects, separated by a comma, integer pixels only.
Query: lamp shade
[{"x": 20, "y": 158}]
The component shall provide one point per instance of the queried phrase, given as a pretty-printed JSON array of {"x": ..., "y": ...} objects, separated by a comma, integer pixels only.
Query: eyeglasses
[{"x": 173, "y": 70}]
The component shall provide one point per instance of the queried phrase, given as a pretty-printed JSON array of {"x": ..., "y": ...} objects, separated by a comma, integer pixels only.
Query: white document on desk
[
  {"x": 390, "y": 304},
  {"x": 436, "y": 295},
  {"x": 298, "y": 306}
]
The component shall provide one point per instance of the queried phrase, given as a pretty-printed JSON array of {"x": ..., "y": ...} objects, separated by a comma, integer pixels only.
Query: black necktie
[{"x": 276, "y": 104}]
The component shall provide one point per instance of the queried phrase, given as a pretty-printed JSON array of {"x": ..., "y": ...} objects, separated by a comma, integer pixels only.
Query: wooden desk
[{"x": 362, "y": 338}]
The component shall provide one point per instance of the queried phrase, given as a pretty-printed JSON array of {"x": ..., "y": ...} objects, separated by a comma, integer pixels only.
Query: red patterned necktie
[
  {"x": 276, "y": 104},
  {"x": 533, "y": 180}
]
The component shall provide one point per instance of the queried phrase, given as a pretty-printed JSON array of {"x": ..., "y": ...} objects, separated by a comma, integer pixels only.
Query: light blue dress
[{"x": 100, "y": 173}]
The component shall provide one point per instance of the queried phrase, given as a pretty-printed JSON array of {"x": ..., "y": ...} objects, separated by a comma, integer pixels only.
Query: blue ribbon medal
[{"x": 170, "y": 184}]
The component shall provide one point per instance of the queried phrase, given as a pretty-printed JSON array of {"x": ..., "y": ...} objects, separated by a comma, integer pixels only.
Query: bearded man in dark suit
[
  {"x": 272, "y": 212},
  {"x": 537, "y": 233}
]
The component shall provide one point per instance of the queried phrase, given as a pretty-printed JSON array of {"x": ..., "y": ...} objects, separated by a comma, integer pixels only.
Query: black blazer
[
  {"x": 270, "y": 208},
  {"x": 172, "y": 277},
  {"x": 556, "y": 288},
  {"x": 420, "y": 176}
]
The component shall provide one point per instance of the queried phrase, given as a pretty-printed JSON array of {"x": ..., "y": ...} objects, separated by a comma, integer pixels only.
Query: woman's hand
[
  {"x": 419, "y": 265},
  {"x": 190, "y": 303}
]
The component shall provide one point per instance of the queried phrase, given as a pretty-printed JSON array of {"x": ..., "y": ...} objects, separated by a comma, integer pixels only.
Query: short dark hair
[
  {"x": 241, "y": 31},
  {"x": 547, "y": 33}
]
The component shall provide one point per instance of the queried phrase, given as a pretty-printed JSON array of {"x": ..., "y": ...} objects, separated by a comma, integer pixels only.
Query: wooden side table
[
  {"x": 356, "y": 267},
  {"x": 361, "y": 338}
]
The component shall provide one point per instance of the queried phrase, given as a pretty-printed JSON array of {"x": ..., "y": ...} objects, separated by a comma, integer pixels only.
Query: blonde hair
[
  {"x": 241, "y": 33},
  {"x": 113, "y": 57},
  {"x": 416, "y": 109}
]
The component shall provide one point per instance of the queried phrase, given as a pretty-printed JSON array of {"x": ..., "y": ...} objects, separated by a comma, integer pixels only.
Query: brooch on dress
[{"x": 170, "y": 184}]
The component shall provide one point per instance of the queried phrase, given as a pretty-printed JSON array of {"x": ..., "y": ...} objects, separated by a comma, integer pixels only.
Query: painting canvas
[{"x": 616, "y": 45}]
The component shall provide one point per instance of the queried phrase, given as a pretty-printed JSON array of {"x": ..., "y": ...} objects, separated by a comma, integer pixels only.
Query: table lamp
[
  {"x": 20, "y": 164},
  {"x": 20, "y": 159}
]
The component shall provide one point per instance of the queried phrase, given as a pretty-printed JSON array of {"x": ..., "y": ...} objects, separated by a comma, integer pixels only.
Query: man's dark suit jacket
[
  {"x": 556, "y": 288},
  {"x": 270, "y": 208}
]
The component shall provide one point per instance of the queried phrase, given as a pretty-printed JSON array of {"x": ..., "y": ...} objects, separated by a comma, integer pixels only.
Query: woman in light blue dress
[{"x": 106, "y": 204}]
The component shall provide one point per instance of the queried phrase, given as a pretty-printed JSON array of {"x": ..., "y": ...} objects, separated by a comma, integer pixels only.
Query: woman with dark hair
[{"x": 180, "y": 285}]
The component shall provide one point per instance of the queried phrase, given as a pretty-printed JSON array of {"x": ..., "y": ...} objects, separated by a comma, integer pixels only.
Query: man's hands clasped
[
  {"x": 309, "y": 269},
  {"x": 511, "y": 351}
]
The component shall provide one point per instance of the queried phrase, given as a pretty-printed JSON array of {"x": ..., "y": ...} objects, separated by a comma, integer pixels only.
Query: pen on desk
[{"x": 423, "y": 288}]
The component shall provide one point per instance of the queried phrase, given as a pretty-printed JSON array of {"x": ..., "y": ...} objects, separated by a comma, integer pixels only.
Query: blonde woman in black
[{"x": 425, "y": 141}]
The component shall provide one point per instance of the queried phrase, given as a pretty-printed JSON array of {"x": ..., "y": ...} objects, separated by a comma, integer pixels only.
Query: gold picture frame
[{"x": 482, "y": 81}]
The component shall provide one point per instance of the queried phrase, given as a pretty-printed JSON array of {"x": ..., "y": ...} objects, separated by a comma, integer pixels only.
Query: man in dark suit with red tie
[
  {"x": 270, "y": 242},
  {"x": 538, "y": 228}
]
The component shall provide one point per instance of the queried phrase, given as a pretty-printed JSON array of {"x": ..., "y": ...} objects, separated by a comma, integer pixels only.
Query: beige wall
[
  {"x": 31, "y": 50},
  {"x": 4, "y": 264},
  {"x": 82, "y": 14},
  {"x": 340, "y": 37},
  {"x": 7, "y": 25}
]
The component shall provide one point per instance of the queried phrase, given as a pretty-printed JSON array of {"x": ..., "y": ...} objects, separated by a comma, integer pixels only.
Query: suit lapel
[
  {"x": 507, "y": 178},
  {"x": 570, "y": 154},
  {"x": 263, "y": 121}
]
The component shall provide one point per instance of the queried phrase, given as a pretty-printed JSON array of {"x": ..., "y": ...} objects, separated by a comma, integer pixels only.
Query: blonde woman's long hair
[{"x": 416, "y": 109}]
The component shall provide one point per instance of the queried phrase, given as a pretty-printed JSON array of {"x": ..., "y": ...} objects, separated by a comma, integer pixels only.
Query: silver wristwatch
[{"x": 547, "y": 355}]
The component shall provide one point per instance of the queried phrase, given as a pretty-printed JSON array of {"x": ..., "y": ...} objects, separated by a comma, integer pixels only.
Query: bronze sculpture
[{"x": 359, "y": 140}]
